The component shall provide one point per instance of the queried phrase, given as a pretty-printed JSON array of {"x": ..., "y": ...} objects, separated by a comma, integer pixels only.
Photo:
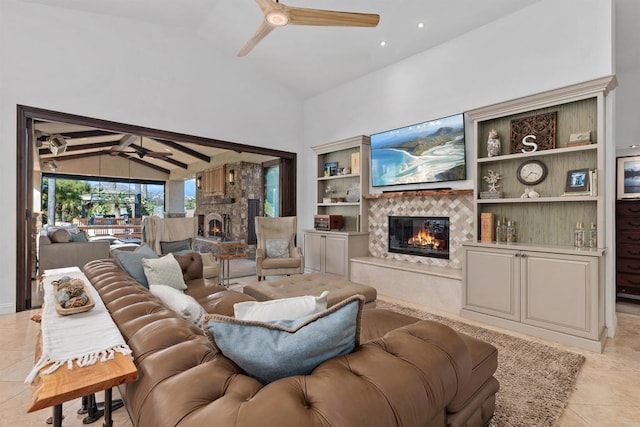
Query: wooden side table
[{"x": 224, "y": 253}]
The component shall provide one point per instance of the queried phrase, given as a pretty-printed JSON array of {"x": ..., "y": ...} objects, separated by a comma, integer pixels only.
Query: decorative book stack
[{"x": 486, "y": 227}]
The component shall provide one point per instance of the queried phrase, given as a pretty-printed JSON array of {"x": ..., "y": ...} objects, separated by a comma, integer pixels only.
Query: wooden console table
[{"x": 64, "y": 384}]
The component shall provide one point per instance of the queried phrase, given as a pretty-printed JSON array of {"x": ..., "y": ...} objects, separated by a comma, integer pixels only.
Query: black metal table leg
[
  {"x": 107, "y": 409},
  {"x": 85, "y": 406},
  {"x": 57, "y": 415},
  {"x": 93, "y": 413},
  {"x": 97, "y": 410}
]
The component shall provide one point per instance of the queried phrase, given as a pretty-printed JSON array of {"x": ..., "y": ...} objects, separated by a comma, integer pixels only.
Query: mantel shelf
[{"x": 418, "y": 193}]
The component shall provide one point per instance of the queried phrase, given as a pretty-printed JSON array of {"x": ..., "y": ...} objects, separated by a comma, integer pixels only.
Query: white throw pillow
[
  {"x": 164, "y": 271},
  {"x": 185, "y": 305},
  {"x": 280, "y": 309}
]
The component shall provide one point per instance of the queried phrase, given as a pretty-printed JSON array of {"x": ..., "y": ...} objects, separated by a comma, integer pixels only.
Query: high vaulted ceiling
[{"x": 307, "y": 59}]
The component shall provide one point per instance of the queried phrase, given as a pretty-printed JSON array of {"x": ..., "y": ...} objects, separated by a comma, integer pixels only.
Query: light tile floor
[{"x": 607, "y": 391}]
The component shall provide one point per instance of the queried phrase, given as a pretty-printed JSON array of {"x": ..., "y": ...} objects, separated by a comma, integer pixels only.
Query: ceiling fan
[
  {"x": 56, "y": 143},
  {"x": 142, "y": 152},
  {"x": 278, "y": 15}
]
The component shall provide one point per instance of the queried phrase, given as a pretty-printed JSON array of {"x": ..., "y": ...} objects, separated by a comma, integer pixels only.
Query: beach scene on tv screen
[{"x": 432, "y": 151}]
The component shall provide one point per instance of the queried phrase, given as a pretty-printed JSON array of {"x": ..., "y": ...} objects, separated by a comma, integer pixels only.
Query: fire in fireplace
[
  {"x": 422, "y": 236},
  {"x": 215, "y": 228},
  {"x": 219, "y": 226}
]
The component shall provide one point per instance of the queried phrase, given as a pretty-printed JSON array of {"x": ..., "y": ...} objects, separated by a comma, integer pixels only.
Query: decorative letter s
[{"x": 529, "y": 144}]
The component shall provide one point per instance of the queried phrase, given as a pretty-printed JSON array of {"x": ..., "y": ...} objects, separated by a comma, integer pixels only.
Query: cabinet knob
[
  {"x": 518, "y": 254},
  {"x": 523, "y": 255}
]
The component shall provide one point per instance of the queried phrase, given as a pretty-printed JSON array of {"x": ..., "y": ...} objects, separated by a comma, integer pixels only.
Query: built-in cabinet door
[
  {"x": 313, "y": 250},
  {"x": 335, "y": 248},
  {"x": 492, "y": 282},
  {"x": 560, "y": 292}
]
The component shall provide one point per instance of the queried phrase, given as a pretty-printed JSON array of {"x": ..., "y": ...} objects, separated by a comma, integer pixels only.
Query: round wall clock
[{"x": 532, "y": 172}]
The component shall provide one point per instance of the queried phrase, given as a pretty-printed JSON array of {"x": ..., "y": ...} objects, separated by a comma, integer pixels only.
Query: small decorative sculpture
[
  {"x": 493, "y": 144},
  {"x": 492, "y": 179},
  {"x": 529, "y": 193}
]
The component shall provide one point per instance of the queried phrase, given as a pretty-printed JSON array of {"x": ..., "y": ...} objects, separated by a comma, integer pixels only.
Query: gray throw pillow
[
  {"x": 131, "y": 262},
  {"x": 277, "y": 248},
  {"x": 80, "y": 236},
  {"x": 59, "y": 236},
  {"x": 175, "y": 246}
]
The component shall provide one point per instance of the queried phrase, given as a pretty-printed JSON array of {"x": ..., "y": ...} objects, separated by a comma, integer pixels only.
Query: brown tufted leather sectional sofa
[{"x": 405, "y": 373}]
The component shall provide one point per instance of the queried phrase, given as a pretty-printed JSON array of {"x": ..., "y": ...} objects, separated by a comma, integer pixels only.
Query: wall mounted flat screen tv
[{"x": 428, "y": 152}]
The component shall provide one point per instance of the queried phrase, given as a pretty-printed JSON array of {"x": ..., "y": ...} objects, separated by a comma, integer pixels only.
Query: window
[{"x": 272, "y": 191}]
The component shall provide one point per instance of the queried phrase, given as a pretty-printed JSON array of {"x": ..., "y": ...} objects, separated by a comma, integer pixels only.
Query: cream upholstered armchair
[{"x": 277, "y": 253}]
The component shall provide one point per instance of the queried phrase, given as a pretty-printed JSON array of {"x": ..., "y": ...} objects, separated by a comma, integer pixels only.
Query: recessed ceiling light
[
  {"x": 420, "y": 24},
  {"x": 383, "y": 43}
]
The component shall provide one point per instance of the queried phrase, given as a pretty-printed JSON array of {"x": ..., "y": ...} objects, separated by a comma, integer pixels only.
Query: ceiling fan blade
[
  {"x": 263, "y": 30},
  {"x": 266, "y": 5},
  {"x": 329, "y": 18},
  {"x": 125, "y": 142}
]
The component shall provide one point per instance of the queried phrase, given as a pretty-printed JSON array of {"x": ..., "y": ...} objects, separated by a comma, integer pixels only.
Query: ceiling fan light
[
  {"x": 277, "y": 18},
  {"x": 57, "y": 144}
]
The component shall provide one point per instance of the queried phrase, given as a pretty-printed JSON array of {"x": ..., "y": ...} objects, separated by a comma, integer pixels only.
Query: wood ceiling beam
[
  {"x": 183, "y": 149},
  {"x": 81, "y": 134},
  {"x": 134, "y": 159},
  {"x": 147, "y": 164},
  {"x": 80, "y": 147}
]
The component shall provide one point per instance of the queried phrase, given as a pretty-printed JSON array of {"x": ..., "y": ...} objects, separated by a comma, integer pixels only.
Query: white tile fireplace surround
[
  {"x": 458, "y": 207},
  {"x": 430, "y": 282}
]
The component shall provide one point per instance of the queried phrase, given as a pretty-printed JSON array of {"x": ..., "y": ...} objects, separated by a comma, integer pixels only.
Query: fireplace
[
  {"x": 418, "y": 235},
  {"x": 216, "y": 226}
]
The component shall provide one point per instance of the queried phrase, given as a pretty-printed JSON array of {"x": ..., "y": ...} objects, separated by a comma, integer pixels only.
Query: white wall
[
  {"x": 627, "y": 53},
  {"x": 131, "y": 72},
  {"x": 527, "y": 52},
  {"x": 530, "y": 51}
]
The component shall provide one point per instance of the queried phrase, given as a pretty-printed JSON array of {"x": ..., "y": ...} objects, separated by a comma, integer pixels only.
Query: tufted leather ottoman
[{"x": 311, "y": 284}]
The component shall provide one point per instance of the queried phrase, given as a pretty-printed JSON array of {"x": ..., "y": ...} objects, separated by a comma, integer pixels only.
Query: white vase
[{"x": 493, "y": 147}]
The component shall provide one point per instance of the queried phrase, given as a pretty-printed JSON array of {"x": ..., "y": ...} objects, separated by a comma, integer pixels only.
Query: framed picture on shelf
[
  {"x": 628, "y": 177},
  {"x": 330, "y": 168},
  {"x": 577, "y": 181}
]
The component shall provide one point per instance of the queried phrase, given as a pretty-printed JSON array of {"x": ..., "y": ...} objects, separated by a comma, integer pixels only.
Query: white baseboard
[{"x": 7, "y": 308}]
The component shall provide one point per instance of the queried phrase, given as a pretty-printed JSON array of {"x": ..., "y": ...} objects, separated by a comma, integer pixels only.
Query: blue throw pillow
[
  {"x": 131, "y": 262},
  {"x": 269, "y": 351}
]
